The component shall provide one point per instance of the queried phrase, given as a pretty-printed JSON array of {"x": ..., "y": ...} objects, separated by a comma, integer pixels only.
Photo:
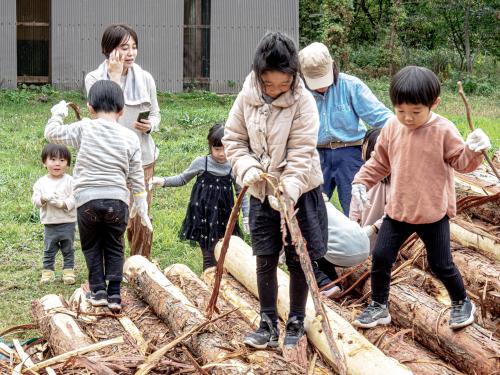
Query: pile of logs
[{"x": 163, "y": 327}]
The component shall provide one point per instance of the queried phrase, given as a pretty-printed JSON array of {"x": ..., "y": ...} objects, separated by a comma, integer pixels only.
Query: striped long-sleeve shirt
[{"x": 108, "y": 157}]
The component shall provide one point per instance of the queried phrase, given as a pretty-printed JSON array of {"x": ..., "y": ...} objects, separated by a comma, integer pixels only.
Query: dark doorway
[
  {"x": 196, "y": 44},
  {"x": 33, "y": 41}
]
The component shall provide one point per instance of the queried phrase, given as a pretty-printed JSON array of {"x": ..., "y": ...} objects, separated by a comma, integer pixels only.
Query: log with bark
[
  {"x": 472, "y": 349},
  {"x": 362, "y": 357},
  {"x": 488, "y": 212},
  {"x": 234, "y": 329},
  {"x": 171, "y": 305},
  {"x": 394, "y": 343},
  {"x": 62, "y": 332},
  {"x": 481, "y": 275}
]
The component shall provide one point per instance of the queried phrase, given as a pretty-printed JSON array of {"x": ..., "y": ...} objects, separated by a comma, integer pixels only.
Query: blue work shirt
[{"x": 344, "y": 107}]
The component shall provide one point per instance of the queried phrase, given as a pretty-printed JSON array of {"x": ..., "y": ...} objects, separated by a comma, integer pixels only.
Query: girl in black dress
[{"x": 212, "y": 197}]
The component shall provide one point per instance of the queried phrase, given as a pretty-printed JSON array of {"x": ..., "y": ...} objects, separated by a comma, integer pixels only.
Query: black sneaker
[
  {"x": 266, "y": 335},
  {"x": 294, "y": 331},
  {"x": 115, "y": 303},
  {"x": 98, "y": 298},
  {"x": 462, "y": 313},
  {"x": 375, "y": 314}
]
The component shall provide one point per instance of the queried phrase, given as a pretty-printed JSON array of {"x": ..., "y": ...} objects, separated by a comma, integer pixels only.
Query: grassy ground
[{"x": 186, "y": 119}]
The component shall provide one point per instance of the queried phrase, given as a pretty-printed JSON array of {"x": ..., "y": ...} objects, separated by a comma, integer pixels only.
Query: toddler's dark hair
[
  {"x": 113, "y": 36},
  {"x": 106, "y": 96},
  {"x": 369, "y": 142},
  {"x": 215, "y": 135},
  {"x": 276, "y": 52},
  {"x": 414, "y": 85},
  {"x": 51, "y": 150}
]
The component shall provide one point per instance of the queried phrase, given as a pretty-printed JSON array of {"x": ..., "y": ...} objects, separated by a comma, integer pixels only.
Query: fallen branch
[{"x": 233, "y": 218}]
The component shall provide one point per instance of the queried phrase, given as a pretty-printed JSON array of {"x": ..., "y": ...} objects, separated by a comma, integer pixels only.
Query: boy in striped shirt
[{"x": 109, "y": 157}]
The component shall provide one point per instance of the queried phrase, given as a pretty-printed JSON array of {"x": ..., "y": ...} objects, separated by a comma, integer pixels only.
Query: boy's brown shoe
[
  {"x": 69, "y": 277},
  {"x": 47, "y": 276}
]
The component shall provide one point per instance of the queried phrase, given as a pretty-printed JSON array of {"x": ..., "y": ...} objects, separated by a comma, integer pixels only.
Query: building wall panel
[
  {"x": 77, "y": 27},
  {"x": 8, "y": 49},
  {"x": 236, "y": 28}
]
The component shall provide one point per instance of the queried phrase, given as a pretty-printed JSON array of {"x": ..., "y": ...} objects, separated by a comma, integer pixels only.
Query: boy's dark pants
[
  {"x": 435, "y": 236},
  {"x": 102, "y": 223},
  {"x": 59, "y": 236}
]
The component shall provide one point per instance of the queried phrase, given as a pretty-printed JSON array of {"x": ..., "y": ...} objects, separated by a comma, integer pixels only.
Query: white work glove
[
  {"x": 478, "y": 141},
  {"x": 140, "y": 206},
  {"x": 252, "y": 176},
  {"x": 156, "y": 182},
  {"x": 369, "y": 230},
  {"x": 274, "y": 202},
  {"x": 46, "y": 198},
  {"x": 59, "y": 203},
  {"x": 359, "y": 197},
  {"x": 60, "y": 110},
  {"x": 246, "y": 225}
]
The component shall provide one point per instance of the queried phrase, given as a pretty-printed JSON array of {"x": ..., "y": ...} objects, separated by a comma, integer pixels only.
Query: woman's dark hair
[
  {"x": 414, "y": 85},
  {"x": 276, "y": 52},
  {"x": 51, "y": 150},
  {"x": 369, "y": 142},
  {"x": 114, "y": 35},
  {"x": 215, "y": 135},
  {"x": 106, "y": 96}
]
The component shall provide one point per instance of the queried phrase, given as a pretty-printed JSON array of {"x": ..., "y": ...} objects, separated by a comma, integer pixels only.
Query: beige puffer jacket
[{"x": 280, "y": 138}]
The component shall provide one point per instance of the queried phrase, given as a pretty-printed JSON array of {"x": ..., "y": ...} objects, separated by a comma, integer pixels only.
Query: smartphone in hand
[{"x": 143, "y": 116}]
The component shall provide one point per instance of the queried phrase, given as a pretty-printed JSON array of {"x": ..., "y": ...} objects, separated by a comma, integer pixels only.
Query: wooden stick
[
  {"x": 471, "y": 125},
  {"x": 193, "y": 361},
  {"x": 212, "y": 304},
  {"x": 76, "y": 109},
  {"x": 155, "y": 357},
  {"x": 305, "y": 262},
  {"x": 63, "y": 357},
  {"x": 135, "y": 333}
]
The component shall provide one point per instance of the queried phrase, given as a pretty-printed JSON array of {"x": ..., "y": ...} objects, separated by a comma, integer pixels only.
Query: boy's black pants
[
  {"x": 435, "y": 236},
  {"x": 102, "y": 223}
]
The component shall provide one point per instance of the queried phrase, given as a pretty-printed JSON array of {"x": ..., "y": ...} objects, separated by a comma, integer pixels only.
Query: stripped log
[
  {"x": 470, "y": 235},
  {"x": 397, "y": 345},
  {"x": 233, "y": 328},
  {"x": 472, "y": 349},
  {"x": 361, "y": 356},
  {"x": 172, "y": 306}
]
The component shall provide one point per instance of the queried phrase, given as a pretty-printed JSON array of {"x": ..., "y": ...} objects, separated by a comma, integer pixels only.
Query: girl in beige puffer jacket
[{"x": 273, "y": 128}]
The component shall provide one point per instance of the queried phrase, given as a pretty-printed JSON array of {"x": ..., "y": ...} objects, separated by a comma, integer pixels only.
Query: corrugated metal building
[{"x": 183, "y": 43}]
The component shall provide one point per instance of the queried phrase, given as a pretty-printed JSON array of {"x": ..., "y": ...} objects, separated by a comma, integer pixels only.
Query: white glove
[
  {"x": 60, "y": 109},
  {"x": 369, "y": 230},
  {"x": 140, "y": 206},
  {"x": 274, "y": 202},
  {"x": 156, "y": 182},
  {"x": 252, "y": 176},
  {"x": 246, "y": 225},
  {"x": 46, "y": 198},
  {"x": 478, "y": 141},
  {"x": 359, "y": 197},
  {"x": 59, "y": 203}
]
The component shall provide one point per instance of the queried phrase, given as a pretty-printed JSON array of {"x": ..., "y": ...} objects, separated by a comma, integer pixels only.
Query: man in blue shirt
[{"x": 345, "y": 104}]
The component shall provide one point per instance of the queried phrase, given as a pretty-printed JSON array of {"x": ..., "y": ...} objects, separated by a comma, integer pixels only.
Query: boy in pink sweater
[{"x": 420, "y": 150}]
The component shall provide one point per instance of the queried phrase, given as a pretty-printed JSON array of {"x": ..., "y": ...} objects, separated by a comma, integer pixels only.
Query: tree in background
[{"x": 336, "y": 25}]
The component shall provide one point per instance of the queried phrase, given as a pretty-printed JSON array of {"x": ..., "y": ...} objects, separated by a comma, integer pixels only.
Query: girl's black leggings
[
  {"x": 435, "y": 236},
  {"x": 267, "y": 283}
]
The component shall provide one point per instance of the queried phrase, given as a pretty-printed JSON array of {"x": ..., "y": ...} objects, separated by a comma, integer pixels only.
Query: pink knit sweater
[{"x": 421, "y": 163}]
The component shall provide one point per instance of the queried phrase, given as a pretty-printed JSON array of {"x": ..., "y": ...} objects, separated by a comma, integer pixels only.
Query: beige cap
[{"x": 316, "y": 65}]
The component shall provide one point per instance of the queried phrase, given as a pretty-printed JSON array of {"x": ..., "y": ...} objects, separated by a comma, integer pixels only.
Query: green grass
[{"x": 186, "y": 119}]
